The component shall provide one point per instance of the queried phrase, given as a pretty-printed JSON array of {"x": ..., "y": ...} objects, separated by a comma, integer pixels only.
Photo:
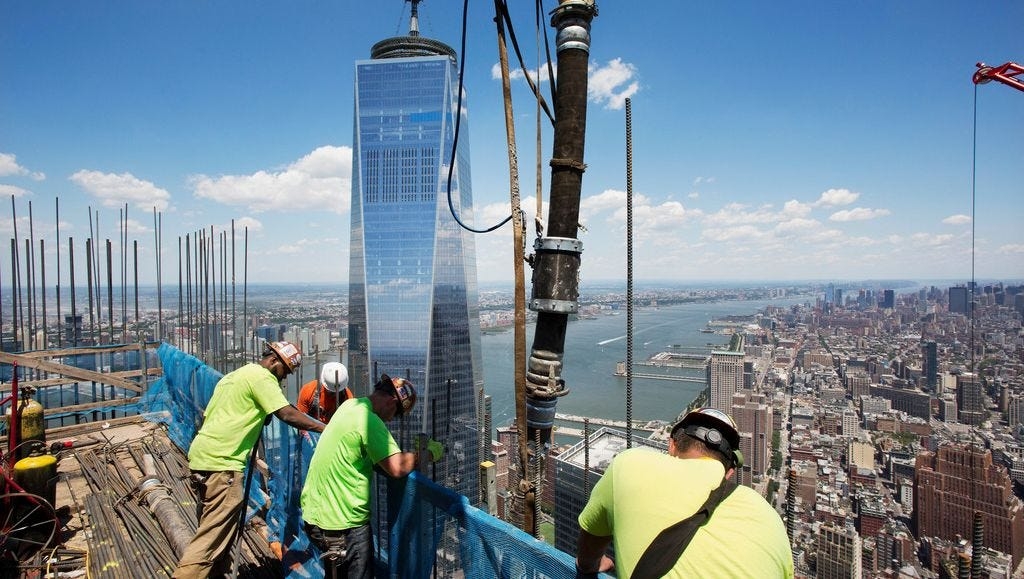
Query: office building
[
  {"x": 958, "y": 300},
  {"x": 956, "y": 481},
  {"x": 839, "y": 553},
  {"x": 577, "y": 470},
  {"x": 753, "y": 416},
  {"x": 930, "y": 363},
  {"x": 970, "y": 399},
  {"x": 412, "y": 288},
  {"x": 725, "y": 378}
]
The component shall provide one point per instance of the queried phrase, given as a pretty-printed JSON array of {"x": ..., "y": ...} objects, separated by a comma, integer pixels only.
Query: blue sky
[{"x": 771, "y": 141}]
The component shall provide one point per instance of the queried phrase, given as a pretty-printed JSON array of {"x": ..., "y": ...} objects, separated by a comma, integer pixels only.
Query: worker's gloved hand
[{"x": 436, "y": 450}]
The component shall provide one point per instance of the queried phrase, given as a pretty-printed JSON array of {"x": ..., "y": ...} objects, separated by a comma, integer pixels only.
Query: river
[{"x": 592, "y": 348}]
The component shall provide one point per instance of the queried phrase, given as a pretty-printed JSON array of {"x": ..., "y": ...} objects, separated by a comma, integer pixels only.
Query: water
[{"x": 592, "y": 348}]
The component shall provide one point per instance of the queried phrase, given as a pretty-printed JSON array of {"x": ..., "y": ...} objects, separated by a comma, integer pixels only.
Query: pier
[{"x": 647, "y": 425}]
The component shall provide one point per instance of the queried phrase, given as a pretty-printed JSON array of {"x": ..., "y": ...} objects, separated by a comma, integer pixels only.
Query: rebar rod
[
  {"x": 629, "y": 274},
  {"x": 56, "y": 220},
  {"x": 30, "y": 271},
  {"x": 110, "y": 289}
]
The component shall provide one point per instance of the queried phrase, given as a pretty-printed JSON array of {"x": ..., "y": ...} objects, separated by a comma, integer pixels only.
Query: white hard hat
[{"x": 334, "y": 376}]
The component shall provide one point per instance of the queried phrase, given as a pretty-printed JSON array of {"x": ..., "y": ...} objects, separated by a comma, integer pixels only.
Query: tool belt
[{"x": 333, "y": 544}]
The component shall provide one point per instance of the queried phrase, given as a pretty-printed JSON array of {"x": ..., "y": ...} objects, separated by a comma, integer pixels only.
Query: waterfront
[{"x": 594, "y": 345}]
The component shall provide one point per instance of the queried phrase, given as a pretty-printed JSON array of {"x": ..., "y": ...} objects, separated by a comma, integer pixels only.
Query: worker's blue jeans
[{"x": 344, "y": 553}]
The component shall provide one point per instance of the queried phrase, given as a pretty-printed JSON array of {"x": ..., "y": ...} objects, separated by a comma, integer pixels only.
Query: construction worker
[
  {"x": 336, "y": 496},
  {"x": 320, "y": 398},
  {"x": 232, "y": 424},
  {"x": 644, "y": 492}
]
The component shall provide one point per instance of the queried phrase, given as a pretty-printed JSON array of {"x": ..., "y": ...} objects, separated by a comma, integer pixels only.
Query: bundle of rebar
[{"x": 125, "y": 537}]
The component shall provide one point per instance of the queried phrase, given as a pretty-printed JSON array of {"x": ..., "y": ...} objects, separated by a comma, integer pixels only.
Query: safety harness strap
[{"x": 661, "y": 555}]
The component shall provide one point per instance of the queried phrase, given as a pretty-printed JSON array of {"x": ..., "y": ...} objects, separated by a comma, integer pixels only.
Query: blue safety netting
[{"x": 430, "y": 527}]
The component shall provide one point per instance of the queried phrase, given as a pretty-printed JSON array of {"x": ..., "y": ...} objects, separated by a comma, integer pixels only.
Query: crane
[{"x": 1004, "y": 73}]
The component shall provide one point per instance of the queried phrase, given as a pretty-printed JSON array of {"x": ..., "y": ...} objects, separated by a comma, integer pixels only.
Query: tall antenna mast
[{"x": 414, "y": 18}]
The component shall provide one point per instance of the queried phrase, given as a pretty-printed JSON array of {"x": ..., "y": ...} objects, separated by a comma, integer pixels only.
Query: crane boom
[{"x": 1004, "y": 73}]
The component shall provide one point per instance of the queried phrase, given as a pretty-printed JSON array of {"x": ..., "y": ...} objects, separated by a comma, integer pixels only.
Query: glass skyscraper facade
[{"x": 413, "y": 302}]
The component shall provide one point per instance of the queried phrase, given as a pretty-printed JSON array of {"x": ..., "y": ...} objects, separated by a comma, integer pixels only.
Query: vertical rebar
[
  {"x": 135, "y": 271},
  {"x": 71, "y": 281},
  {"x": 245, "y": 284},
  {"x": 234, "y": 319},
  {"x": 157, "y": 250},
  {"x": 110, "y": 289},
  {"x": 29, "y": 315},
  {"x": 30, "y": 272},
  {"x": 586, "y": 457},
  {"x": 56, "y": 209},
  {"x": 181, "y": 296},
  {"x": 14, "y": 294},
  {"x": 42, "y": 284},
  {"x": 629, "y": 274},
  {"x": 17, "y": 302},
  {"x": 88, "y": 280}
]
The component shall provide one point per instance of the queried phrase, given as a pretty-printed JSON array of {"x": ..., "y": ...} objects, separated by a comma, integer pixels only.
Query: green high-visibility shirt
[
  {"x": 234, "y": 417},
  {"x": 336, "y": 494},
  {"x": 644, "y": 491}
]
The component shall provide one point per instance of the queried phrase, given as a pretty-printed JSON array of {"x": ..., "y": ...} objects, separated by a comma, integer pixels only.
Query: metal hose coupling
[
  {"x": 556, "y": 276},
  {"x": 572, "y": 19}
]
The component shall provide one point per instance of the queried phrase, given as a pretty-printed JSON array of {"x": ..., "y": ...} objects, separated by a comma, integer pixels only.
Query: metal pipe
[
  {"x": 164, "y": 507},
  {"x": 557, "y": 257}
]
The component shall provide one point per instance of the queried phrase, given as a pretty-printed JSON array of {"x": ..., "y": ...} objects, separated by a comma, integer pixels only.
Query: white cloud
[
  {"x": 9, "y": 167},
  {"x": 930, "y": 240},
  {"x": 797, "y": 226},
  {"x": 137, "y": 227},
  {"x": 694, "y": 195},
  {"x": 115, "y": 190},
  {"x": 739, "y": 233},
  {"x": 700, "y": 180},
  {"x": 610, "y": 85},
  {"x": 663, "y": 218},
  {"x": 1011, "y": 248},
  {"x": 253, "y": 224},
  {"x": 9, "y": 190},
  {"x": 517, "y": 73},
  {"x": 737, "y": 213},
  {"x": 858, "y": 214},
  {"x": 320, "y": 180},
  {"x": 795, "y": 208},
  {"x": 609, "y": 199},
  {"x": 834, "y": 197},
  {"x": 958, "y": 219}
]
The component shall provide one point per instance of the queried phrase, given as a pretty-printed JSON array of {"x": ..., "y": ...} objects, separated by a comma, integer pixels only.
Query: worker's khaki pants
[{"x": 219, "y": 507}]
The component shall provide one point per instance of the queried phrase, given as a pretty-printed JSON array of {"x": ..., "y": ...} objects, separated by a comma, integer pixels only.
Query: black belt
[{"x": 334, "y": 533}]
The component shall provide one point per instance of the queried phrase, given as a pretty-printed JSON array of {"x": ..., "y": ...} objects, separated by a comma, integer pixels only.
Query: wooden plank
[
  {"x": 65, "y": 370},
  {"x": 5, "y": 387},
  {"x": 105, "y": 404},
  {"x": 80, "y": 351}
]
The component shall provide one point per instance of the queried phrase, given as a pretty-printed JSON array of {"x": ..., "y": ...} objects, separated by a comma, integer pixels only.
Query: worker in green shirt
[
  {"x": 644, "y": 492},
  {"x": 336, "y": 495},
  {"x": 232, "y": 423}
]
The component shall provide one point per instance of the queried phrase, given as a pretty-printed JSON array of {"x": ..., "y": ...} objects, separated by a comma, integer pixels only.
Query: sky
[{"x": 770, "y": 141}]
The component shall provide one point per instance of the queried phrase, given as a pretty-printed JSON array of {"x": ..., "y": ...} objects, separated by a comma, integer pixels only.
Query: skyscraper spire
[
  {"x": 411, "y": 44},
  {"x": 414, "y": 18}
]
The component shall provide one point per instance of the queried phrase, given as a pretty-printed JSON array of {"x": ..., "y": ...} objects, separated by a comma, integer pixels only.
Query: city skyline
[{"x": 825, "y": 143}]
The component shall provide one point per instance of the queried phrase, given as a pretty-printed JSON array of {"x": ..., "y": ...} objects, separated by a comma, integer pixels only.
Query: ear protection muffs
[{"x": 713, "y": 438}]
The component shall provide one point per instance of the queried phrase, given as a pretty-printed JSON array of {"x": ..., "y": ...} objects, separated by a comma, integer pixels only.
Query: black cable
[
  {"x": 519, "y": 56},
  {"x": 458, "y": 123},
  {"x": 503, "y": 15}
]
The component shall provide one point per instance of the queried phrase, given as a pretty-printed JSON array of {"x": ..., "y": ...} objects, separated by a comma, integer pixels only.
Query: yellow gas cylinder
[
  {"x": 38, "y": 475},
  {"x": 31, "y": 424}
]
